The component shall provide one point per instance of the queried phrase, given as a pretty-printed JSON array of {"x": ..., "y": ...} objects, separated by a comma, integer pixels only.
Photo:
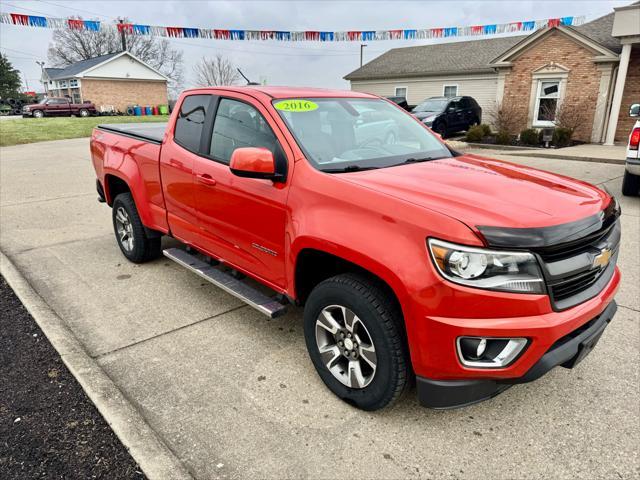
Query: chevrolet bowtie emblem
[{"x": 602, "y": 259}]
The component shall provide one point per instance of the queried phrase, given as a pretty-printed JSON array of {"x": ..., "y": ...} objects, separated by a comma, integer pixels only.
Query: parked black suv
[
  {"x": 447, "y": 115},
  {"x": 401, "y": 102}
]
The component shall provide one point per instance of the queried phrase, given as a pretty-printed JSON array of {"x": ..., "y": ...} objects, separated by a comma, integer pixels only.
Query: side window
[
  {"x": 237, "y": 125},
  {"x": 191, "y": 121}
]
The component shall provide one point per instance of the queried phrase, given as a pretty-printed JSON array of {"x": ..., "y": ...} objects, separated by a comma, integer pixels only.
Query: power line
[{"x": 21, "y": 51}]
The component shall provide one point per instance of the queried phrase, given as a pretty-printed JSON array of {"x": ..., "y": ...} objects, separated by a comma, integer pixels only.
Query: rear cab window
[{"x": 190, "y": 122}]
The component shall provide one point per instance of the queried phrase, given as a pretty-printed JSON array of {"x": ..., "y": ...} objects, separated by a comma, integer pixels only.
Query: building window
[
  {"x": 62, "y": 84},
  {"x": 73, "y": 83},
  {"x": 547, "y": 98},
  {"x": 450, "y": 91},
  {"x": 401, "y": 92}
]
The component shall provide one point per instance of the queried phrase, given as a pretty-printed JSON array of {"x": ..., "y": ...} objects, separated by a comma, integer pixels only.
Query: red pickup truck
[
  {"x": 412, "y": 261},
  {"x": 58, "y": 107}
]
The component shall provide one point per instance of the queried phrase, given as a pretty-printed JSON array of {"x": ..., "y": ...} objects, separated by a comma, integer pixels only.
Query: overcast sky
[{"x": 280, "y": 63}]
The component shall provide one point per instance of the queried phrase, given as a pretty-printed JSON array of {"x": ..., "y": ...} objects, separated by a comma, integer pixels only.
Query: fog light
[{"x": 485, "y": 352}]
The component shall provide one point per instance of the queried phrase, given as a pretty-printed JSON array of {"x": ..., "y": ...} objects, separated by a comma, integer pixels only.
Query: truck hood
[{"x": 483, "y": 192}]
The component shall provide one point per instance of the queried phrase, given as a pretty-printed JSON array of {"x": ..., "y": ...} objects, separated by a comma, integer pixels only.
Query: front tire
[
  {"x": 354, "y": 334},
  {"x": 84, "y": 112},
  {"x": 630, "y": 184},
  {"x": 38, "y": 114},
  {"x": 130, "y": 233}
]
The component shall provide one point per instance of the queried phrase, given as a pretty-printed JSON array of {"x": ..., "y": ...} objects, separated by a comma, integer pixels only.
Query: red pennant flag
[
  {"x": 19, "y": 19},
  {"x": 75, "y": 24}
]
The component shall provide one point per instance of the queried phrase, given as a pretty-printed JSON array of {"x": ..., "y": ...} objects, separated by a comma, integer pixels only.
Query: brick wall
[
  {"x": 583, "y": 81},
  {"x": 122, "y": 93},
  {"x": 631, "y": 95}
]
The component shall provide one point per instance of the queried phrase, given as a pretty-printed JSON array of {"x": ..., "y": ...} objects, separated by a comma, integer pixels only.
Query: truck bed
[{"x": 149, "y": 132}]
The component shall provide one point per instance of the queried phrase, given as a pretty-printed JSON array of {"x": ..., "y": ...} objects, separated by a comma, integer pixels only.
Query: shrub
[
  {"x": 486, "y": 129},
  {"x": 475, "y": 134},
  {"x": 503, "y": 138},
  {"x": 562, "y": 137},
  {"x": 529, "y": 136}
]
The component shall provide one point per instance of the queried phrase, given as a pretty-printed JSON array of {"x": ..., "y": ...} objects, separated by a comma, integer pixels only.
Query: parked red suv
[
  {"x": 58, "y": 107},
  {"x": 412, "y": 261}
]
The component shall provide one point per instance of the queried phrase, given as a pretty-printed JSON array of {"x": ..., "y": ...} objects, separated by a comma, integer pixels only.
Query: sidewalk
[{"x": 589, "y": 152}]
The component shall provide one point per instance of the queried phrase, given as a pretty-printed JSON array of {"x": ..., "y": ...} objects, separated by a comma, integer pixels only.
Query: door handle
[{"x": 206, "y": 179}]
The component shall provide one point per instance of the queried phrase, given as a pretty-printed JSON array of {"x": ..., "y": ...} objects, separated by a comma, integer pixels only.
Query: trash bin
[
  {"x": 154, "y": 110},
  {"x": 164, "y": 110},
  {"x": 137, "y": 110},
  {"x": 147, "y": 110}
]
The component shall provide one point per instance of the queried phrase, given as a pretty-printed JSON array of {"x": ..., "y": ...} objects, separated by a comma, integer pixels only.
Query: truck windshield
[{"x": 349, "y": 134}]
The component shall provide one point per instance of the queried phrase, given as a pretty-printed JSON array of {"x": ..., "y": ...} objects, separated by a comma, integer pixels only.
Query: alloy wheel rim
[
  {"x": 124, "y": 229},
  {"x": 346, "y": 347}
]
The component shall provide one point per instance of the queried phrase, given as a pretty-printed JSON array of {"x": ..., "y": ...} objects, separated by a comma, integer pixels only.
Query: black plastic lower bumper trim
[{"x": 566, "y": 352}]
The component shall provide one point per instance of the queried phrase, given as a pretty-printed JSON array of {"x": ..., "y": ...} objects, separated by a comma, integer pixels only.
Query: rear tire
[
  {"x": 630, "y": 184},
  {"x": 84, "y": 112},
  {"x": 441, "y": 129},
  {"x": 130, "y": 233},
  {"x": 375, "y": 340}
]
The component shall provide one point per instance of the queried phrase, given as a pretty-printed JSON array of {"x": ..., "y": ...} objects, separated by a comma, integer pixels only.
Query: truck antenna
[{"x": 249, "y": 82}]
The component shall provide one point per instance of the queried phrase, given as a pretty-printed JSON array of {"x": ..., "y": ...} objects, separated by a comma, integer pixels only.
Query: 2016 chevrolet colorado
[{"x": 412, "y": 261}]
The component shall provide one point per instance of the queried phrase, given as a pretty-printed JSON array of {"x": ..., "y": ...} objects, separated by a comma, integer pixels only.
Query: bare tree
[
  {"x": 70, "y": 46},
  {"x": 505, "y": 117},
  {"x": 215, "y": 71}
]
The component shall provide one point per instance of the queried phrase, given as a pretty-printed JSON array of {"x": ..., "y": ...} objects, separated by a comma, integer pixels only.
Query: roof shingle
[
  {"x": 472, "y": 56},
  {"x": 78, "y": 67}
]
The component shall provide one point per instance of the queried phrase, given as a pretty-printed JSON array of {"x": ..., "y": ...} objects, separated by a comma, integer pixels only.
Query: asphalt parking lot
[{"x": 235, "y": 396}]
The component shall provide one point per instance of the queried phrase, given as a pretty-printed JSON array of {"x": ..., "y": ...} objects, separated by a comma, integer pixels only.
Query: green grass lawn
[{"x": 29, "y": 130}]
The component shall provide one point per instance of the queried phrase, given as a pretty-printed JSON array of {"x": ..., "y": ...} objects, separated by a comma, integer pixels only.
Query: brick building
[
  {"x": 116, "y": 79},
  {"x": 593, "y": 69}
]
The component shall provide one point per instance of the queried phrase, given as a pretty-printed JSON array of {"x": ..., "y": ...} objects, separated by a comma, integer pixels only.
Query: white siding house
[{"x": 482, "y": 87}]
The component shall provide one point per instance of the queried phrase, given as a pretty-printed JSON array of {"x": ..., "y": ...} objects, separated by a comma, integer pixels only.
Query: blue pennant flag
[
  {"x": 141, "y": 29},
  {"x": 409, "y": 34},
  {"x": 489, "y": 29},
  {"x": 191, "y": 32},
  {"x": 37, "y": 21},
  {"x": 566, "y": 20},
  {"x": 237, "y": 34},
  {"x": 528, "y": 25},
  {"x": 91, "y": 25},
  {"x": 369, "y": 35},
  {"x": 283, "y": 35},
  {"x": 451, "y": 32},
  {"x": 326, "y": 36}
]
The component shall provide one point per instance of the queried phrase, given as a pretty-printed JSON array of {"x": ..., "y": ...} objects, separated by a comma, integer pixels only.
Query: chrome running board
[{"x": 270, "y": 307}]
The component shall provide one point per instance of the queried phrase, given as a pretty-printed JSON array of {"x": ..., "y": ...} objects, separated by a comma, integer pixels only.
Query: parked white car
[{"x": 631, "y": 181}]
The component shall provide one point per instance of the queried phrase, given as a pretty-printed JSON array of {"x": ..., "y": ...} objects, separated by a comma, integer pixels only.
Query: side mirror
[
  {"x": 253, "y": 162},
  {"x": 634, "y": 111}
]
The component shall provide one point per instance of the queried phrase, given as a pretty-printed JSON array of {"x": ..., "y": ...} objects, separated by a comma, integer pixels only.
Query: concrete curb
[
  {"x": 154, "y": 457},
  {"x": 559, "y": 156}
]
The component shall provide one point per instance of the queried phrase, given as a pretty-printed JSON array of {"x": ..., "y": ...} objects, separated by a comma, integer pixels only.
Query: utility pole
[
  {"x": 44, "y": 84},
  {"x": 362, "y": 45},
  {"x": 122, "y": 37}
]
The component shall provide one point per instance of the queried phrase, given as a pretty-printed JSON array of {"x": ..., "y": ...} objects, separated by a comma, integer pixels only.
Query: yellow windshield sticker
[{"x": 296, "y": 105}]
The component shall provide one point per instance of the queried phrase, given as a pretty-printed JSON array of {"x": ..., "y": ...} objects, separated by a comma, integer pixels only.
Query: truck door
[
  {"x": 64, "y": 107},
  {"x": 241, "y": 220},
  {"x": 179, "y": 151}
]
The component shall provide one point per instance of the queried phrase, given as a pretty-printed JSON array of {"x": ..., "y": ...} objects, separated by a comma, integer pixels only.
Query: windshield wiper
[
  {"x": 348, "y": 168},
  {"x": 418, "y": 160}
]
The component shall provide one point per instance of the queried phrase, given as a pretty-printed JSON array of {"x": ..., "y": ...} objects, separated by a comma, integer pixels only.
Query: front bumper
[{"x": 567, "y": 352}]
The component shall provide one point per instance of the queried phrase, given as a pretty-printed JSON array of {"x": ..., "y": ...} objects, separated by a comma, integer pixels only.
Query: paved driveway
[{"x": 234, "y": 395}]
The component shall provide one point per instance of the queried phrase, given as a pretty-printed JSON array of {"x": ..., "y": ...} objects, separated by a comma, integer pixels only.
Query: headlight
[{"x": 489, "y": 269}]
